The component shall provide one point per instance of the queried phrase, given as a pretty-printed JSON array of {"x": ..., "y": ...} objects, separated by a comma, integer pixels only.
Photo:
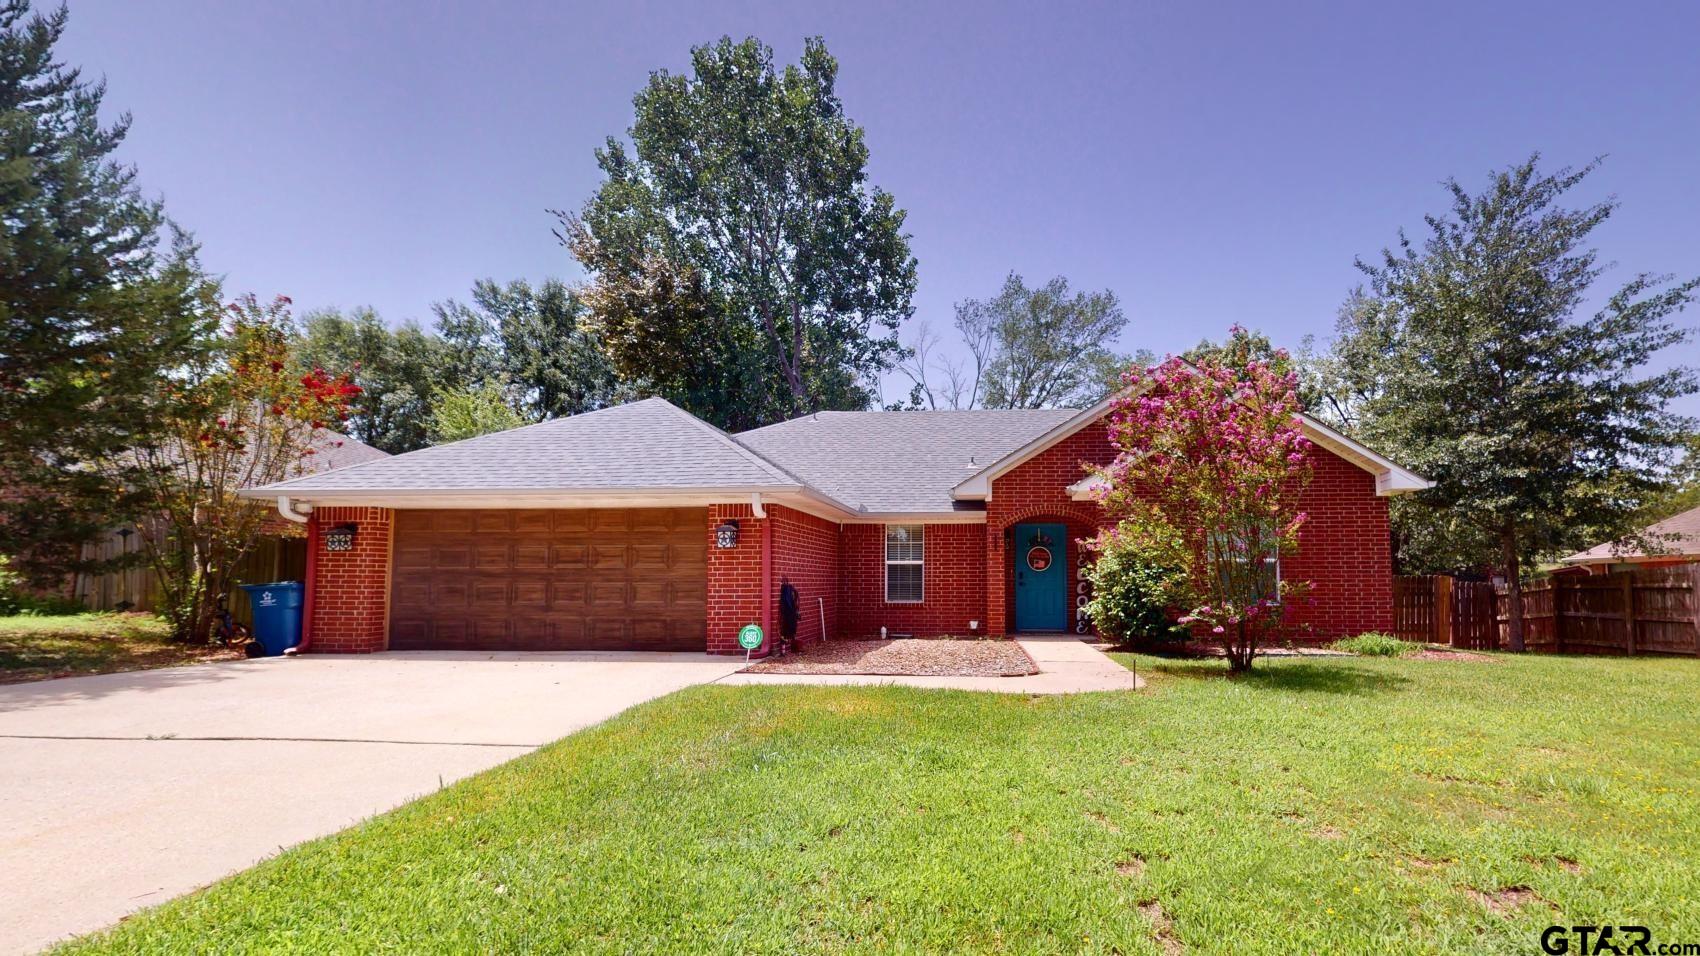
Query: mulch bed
[{"x": 905, "y": 657}]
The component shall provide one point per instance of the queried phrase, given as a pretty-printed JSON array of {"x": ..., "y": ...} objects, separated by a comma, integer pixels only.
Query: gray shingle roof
[
  {"x": 1676, "y": 536},
  {"x": 642, "y": 445},
  {"x": 898, "y": 461}
]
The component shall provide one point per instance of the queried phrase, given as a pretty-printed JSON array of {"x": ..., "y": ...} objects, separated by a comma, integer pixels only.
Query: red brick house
[{"x": 642, "y": 527}]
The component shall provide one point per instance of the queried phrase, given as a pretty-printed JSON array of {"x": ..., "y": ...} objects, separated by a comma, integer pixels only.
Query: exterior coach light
[
  {"x": 340, "y": 538},
  {"x": 726, "y": 535}
]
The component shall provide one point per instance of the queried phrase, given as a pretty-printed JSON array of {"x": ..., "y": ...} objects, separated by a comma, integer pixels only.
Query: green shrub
[
  {"x": 1376, "y": 644},
  {"x": 1135, "y": 594},
  {"x": 17, "y": 599}
]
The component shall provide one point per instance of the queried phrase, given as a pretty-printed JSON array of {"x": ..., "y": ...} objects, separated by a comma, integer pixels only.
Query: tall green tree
[
  {"x": 470, "y": 411},
  {"x": 96, "y": 307},
  {"x": 1470, "y": 358},
  {"x": 744, "y": 202},
  {"x": 1028, "y": 347},
  {"x": 398, "y": 370},
  {"x": 534, "y": 341}
]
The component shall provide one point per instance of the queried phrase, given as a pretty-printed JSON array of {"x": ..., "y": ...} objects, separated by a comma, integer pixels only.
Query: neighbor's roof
[
  {"x": 1676, "y": 536},
  {"x": 899, "y": 462},
  {"x": 643, "y": 445},
  {"x": 333, "y": 450}
]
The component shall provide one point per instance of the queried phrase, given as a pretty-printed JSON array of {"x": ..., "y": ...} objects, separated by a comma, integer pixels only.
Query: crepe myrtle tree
[
  {"x": 1210, "y": 466},
  {"x": 238, "y": 417}
]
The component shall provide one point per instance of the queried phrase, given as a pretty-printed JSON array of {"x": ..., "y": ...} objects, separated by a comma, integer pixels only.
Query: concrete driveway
[{"x": 121, "y": 791}]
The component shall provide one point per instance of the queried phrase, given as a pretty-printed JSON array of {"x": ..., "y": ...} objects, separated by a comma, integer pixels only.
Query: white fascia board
[
  {"x": 978, "y": 487},
  {"x": 1390, "y": 477}
]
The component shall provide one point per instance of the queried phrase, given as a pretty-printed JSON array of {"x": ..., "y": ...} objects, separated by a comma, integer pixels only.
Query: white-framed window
[
  {"x": 1264, "y": 581},
  {"x": 905, "y": 550}
]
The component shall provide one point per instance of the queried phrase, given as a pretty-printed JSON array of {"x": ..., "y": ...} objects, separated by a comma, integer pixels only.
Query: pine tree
[{"x": 95, "y": 307}]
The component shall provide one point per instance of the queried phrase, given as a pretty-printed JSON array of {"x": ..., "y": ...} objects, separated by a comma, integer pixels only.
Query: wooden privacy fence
[
  {"x": 1655, "y": 611},
  {"x": 136, "y": 588},
  {"x": 1442, "y": 610}
]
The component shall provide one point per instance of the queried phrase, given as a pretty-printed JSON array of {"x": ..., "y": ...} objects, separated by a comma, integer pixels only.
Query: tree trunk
[
  {"x": 1240, "y": 650},
  {"x": 1514, "y": 591}
]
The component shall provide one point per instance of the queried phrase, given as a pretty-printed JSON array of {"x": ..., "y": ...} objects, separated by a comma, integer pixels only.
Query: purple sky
[{"x": 1210, "y": 166}]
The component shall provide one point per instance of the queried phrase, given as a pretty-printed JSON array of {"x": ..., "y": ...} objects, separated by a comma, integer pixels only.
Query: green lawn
[
  {"x": 1322, "y": 805},
  {"x": 37, "y": 647}
]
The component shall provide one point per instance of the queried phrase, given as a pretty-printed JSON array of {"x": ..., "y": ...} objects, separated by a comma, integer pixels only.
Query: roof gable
[{"x": 1390, "y": 477}]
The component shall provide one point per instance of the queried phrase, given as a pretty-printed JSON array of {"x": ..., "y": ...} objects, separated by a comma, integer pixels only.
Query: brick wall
[
  {"x": 735, "y": 580},
  {"x": 953, "y": 577},
  {"x": 351, "y": 589},
  {"x": 1344, "y": 549},
  {"x": 805, "y": 552}
]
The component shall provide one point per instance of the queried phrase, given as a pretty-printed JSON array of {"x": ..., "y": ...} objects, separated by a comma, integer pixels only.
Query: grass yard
[
  {"x": 1322, "y": 805},
  {"x": 38, "y": 647}
]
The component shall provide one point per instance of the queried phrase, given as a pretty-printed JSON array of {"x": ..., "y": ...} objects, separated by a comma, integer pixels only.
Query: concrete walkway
[
  {"x": 121, "y": 791},
  {"x": 1067, "y": 665}
]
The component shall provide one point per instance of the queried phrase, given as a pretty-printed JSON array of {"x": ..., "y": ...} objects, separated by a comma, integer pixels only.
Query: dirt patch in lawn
[
  {"x": 1444, "y": 654},
  {"x": 1502, "y": 902},
  {"x": 905, "y": 657}
]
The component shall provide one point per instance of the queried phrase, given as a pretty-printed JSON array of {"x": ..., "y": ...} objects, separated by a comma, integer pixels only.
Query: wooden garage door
[{"x": 614, "y": 579}]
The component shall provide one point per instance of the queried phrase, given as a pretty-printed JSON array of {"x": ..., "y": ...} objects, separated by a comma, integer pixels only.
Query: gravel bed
[{"x": 905, "y": 657}]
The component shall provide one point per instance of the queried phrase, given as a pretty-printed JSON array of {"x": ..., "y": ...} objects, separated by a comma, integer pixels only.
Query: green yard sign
[{"x": 750, "y": 637}]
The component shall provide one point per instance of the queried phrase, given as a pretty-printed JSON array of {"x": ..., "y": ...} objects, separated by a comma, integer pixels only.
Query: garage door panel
[
  {"x": 531, "y": 594},
  {"x": 573, "y": 522},
  {"x": 649, "y": 594},
  {"x": 532, "y": 523},
  {"x": 610, "y": 557},
  {"x": 449, "y": 595},
  {"x": 450, "y": 522},
  {"x": 611, "y": 520},
  {"x": 550, "y": 580},
  {"x": 569, "y": 595},
  {"x": 566, "y": 556},
  {"x": 608, "y": 597},
  {"x": 454, "y": 557}
]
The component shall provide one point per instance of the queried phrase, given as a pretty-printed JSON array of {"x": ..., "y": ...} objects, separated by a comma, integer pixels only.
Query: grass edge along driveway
[
  {"x": 45, "y": 646},
  {"x": 1342, "y": 805}
]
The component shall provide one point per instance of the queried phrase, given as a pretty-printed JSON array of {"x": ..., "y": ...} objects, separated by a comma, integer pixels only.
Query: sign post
[{"x": 749, "y": 638}]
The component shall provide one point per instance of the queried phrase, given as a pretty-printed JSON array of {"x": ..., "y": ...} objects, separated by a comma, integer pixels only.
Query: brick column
[
  {"x": 351, "y": 589},
  {"x": 734, "y": 579},
  {"x": 997, "y": 576}
]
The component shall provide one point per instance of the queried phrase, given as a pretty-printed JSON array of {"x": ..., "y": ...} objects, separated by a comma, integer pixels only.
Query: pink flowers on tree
[{"x": 1212, "y": 463}]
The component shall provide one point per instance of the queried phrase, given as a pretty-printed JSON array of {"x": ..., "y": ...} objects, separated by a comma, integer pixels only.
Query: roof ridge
[{"x": 748, "y": 453}]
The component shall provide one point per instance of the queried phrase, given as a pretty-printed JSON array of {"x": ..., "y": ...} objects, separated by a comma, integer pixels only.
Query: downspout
[
  {"x": 290, "y": 511},
  {"x": 766, "y": 582},
  {"x": 307, "y": 599}
]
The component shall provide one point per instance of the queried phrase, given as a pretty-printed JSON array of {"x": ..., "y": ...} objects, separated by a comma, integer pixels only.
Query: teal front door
[{"x": 1041, "y": 577}]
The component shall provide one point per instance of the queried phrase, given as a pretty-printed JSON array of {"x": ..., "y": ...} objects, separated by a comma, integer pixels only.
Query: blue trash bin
[{"x": 277, "y": 614}]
